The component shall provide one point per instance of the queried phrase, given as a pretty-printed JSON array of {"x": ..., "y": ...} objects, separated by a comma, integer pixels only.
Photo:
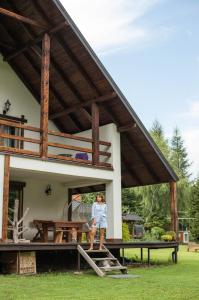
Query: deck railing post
[
  {"x": 45, "y": 68},
  {"x": 173, "y": 207},
  {"x": 95, "y": 133}
]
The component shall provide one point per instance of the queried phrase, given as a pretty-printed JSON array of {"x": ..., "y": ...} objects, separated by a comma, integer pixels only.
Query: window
[{"x": 4, "y": 129}]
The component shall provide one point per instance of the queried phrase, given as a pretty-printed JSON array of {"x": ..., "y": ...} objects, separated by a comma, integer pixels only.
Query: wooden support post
[
  {"x": 95, "y": 133},
  {"x": 6, "y": 196},
  {"x": 173, "y": 207},
  {"x": 45, "y": 66},
  {"x": 70, "y": 204}
]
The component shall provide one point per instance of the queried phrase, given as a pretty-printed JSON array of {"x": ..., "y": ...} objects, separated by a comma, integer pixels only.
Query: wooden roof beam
[
  {"x": 77, "y": 106},
  {"x": 35, "y": 41},
  {"x": 126, "y": 127},
  {"x": 7, "y": 46},
  {"x": 141, "y": 156},
  {"x": 25, "y": 80},
  {"x": 21, "y": 18},
  {"x": 70, "y": 85},
  {"x": 73, "y": 57},
  {"x": 131, "y": 171},
  {"x": 138, "y": 152}
]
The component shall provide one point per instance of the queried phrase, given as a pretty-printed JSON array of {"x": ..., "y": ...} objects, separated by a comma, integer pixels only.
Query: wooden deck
[
  {"x": 64, "y": 256},
  {"x": 73, "y": 246}
]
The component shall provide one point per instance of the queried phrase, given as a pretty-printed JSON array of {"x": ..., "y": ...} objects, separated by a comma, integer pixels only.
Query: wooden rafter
[
  {"x": 141, "y": 157},
  {"x": 35, "y": 41},
  {"x": 66, "y": 81},
  {"x": 127, "y": 127},
  {"x": 45, "y": 72},
  {"x": 20, "y": 18},
  {"x": 132, "y": 145},
  {"x": 7, "y": 46},
  {"x": 35, "y": 93},
  {"x": 72, "y": 56},
  {"x": 77, "y": 106},
  {"x": 131, "y": 171}
]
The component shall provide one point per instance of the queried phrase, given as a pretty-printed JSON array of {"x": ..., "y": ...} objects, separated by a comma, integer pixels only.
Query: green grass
[{"x": 162, "y": 281}]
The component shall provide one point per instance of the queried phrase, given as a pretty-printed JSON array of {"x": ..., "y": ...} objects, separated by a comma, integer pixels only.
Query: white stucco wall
[{"x": 43, "y": 207}]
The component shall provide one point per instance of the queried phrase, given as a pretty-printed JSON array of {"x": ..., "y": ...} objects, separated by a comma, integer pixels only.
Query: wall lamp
[
  {"x": 48, "y": 190},
  {"x": 6, "y": 107}
]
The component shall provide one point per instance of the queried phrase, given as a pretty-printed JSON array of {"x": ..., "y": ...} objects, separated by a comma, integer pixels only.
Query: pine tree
[
  {"x": 157, "y": 134},
  {"x": 179, "y": 156}
]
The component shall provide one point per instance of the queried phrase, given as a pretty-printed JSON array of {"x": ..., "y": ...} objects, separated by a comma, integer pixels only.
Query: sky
[{"x": 151, "y": 49}]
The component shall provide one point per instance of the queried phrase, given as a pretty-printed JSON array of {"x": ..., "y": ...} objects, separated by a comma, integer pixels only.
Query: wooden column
[
  {"x": 5, "y": 196},
  {"x": 45, "y": 67},
  {"x": 173, "y": 207},
  {"x": 95, "y": 133},
  {"x": 70, "y": 204}
]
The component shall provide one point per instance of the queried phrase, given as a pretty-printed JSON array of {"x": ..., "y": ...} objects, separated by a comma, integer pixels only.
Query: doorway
[{"x": 15, "y": 192}]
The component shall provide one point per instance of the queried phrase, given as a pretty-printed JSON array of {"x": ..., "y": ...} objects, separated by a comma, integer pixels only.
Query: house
[{"x": 65, "y": 126}]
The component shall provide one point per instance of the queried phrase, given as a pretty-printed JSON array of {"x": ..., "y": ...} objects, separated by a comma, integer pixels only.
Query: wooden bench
[{"x": 193, "y": 247}]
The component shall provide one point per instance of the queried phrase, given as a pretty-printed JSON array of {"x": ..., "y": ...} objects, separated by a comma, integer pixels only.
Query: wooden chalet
[{"x": 65, "y": 126}]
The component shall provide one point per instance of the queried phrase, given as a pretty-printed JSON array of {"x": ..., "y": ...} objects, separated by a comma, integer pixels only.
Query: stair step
[
  {"x": 96, "y": 251},
  {"x": 103, "y": 258},
  {"x": 106, "y": 269}
]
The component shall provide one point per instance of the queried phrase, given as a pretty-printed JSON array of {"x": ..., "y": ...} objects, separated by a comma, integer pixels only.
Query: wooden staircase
[{"x": 103, "y": 264}]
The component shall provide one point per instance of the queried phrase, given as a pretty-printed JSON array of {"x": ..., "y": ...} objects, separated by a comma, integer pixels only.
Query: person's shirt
[{"x": 98, "y": 211}]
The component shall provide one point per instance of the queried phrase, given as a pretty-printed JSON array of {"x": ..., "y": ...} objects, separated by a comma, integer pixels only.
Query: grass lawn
[{"x": 162, "y": 281}]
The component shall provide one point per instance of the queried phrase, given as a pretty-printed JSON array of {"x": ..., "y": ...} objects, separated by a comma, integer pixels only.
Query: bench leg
[
  {"x": 141, "y": 254},
  {"x": 148, "y": 257},
  {"x": 175, "y": 255}
]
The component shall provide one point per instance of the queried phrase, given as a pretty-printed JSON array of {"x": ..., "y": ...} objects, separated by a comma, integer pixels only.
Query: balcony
[{"x": 20, "y": 139}]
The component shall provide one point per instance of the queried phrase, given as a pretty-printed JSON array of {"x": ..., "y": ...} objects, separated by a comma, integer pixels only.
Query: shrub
[
  {"x": 125, "y": 232},
  {"x": 172, "y": 233},
  {"x": 166, "y": 237},
  {"x": 157, "y": 232}
]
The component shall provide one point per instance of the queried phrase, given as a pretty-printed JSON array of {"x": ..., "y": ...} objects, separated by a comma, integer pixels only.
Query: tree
[
  {"x": 131, "y": 201},
  {"x": 179, "y": 156},
  {"x": 194, "y": 210},
  {"x": 157, "y": 134}
]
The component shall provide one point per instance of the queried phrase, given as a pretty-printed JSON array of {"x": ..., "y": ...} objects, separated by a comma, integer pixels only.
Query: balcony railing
[{"x": 17, "y": 138}]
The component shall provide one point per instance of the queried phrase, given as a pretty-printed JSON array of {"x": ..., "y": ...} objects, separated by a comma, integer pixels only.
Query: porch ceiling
[
  {"x": 76, "y": 76},
  {"x": 74, "y": 182}
]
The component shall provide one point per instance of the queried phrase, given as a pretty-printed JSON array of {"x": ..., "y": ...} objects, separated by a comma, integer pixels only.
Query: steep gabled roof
[{"x": 76, "y": 76}]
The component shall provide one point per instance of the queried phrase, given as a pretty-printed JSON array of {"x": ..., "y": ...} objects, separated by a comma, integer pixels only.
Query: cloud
[
  {"x": 109, "y": 25},
  {"x": 191, "y": 138},
  {"x": 192, "y": 111}
]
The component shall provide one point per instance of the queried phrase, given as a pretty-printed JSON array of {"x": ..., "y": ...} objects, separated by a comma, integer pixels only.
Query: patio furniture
[{"x": 59, "y": 229}]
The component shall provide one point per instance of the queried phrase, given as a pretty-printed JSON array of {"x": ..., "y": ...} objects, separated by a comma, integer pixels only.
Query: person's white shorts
[{"x": 101, "y": 223}]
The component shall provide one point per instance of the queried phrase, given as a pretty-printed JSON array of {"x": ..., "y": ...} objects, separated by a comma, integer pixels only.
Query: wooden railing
[{"x": 30, "y": 144}]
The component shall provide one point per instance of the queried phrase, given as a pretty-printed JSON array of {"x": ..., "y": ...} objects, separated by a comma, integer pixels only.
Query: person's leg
[
  {"x": 92, "y": 236},
  {"x": 102, "y": 230}
]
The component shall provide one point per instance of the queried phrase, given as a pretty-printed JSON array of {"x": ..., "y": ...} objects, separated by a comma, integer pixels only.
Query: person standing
[{"x": 99, "y": 220}]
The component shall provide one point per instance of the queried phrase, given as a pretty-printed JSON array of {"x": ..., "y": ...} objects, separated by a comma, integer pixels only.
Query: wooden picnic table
[{"x": 59, "y": 227}]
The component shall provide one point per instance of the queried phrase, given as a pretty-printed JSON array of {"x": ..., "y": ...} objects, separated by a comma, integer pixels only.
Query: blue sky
[{"x": 151, "y": 49}]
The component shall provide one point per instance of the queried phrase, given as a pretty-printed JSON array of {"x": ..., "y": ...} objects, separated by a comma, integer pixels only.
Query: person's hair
[{"x": 101, "y": 196}]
